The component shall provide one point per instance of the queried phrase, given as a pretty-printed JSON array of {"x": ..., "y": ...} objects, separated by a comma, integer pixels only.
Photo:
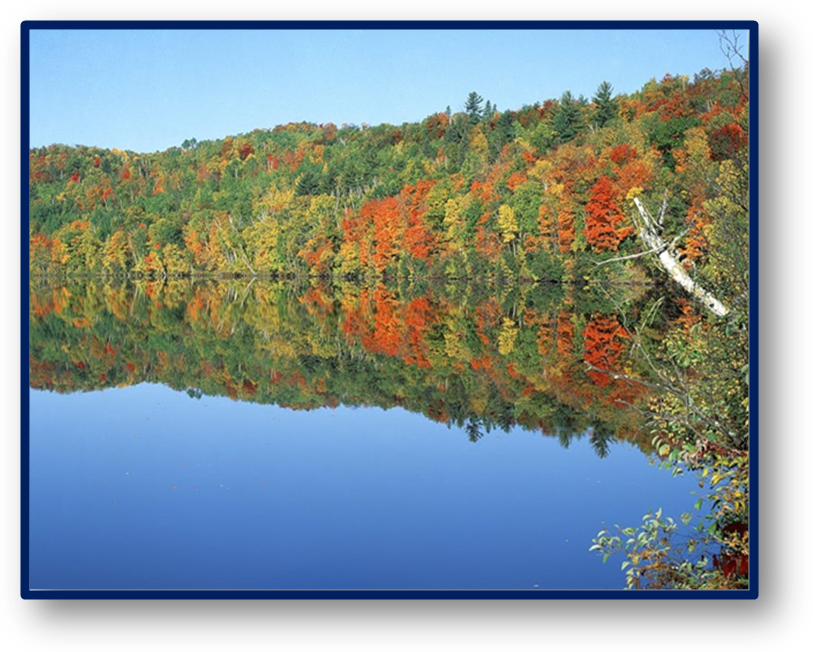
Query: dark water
[{"x": 222, "y": 436}]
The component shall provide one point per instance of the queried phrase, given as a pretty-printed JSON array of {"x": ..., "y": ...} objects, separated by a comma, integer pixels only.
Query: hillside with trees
[{"x": 540, "y": 193}]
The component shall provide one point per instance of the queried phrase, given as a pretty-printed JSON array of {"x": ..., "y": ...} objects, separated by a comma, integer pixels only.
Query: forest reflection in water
[
  {"x": 258, "y": 435},
  {"x": 483, "y": 359}
]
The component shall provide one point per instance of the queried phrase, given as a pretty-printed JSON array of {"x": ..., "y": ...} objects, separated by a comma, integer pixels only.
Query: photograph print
[{"x": 336, "y": 310}]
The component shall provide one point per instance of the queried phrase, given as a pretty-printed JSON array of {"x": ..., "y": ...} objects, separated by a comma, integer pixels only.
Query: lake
[{"x": 259, "y": 435}]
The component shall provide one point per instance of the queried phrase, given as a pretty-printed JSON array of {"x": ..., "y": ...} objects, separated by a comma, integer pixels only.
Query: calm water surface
[{"x": 135, "y": 485}]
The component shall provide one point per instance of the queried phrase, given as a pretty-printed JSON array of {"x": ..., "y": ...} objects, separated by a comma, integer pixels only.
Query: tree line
[{"x": 539, "y": 193}]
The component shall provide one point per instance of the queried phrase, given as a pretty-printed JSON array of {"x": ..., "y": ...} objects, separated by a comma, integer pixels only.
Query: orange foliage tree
[{"x": 604, "y": 218}]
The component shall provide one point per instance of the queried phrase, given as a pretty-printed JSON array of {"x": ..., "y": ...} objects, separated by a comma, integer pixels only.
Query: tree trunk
[{"x": 649, "y": 231}]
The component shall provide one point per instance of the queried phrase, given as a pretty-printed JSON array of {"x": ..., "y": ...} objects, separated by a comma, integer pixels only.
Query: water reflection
[
  {"x": 480, "y": 359},
  {"x": 190, "y": 470},
  {"x": 141, "y": 488}
]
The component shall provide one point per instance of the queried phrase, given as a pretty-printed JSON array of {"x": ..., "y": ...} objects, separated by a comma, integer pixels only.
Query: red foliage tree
[
  {"x": 566, "y": 229},
  {"x": 516, "y": 180},
  {"x": 418, "y": 239},
  {"x": 603, "y": 218},
  {"x": 245, "y": 150},
  {"x": 726, "y": 141},
  {"x": 436, "y": 125},
  {"x": 388, "y": 229},
  {"x": 623, "y": 153}
]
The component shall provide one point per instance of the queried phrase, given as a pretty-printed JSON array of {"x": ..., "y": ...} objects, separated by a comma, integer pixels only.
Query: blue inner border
[{"x": 751, "y": 593}]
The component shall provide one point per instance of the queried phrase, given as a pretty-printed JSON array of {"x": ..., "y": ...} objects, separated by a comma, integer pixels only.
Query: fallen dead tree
[{"x": 650, "y": 230}]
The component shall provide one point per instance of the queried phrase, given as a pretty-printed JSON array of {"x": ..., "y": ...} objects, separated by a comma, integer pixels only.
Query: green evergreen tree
[
  {"x": 505, "y": 125},
  {"x": 567, "y": 121},
  {"x": 308, "y": 183},
  {"x": 606, "y": 104},
  {"x": 474, "y": 110}
]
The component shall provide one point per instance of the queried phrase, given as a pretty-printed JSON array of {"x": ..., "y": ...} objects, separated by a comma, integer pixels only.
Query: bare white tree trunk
[{"x": 650, "y": 232}]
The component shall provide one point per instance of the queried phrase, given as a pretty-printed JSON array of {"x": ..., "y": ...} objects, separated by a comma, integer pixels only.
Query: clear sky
[{"x": 150, "y": 90}]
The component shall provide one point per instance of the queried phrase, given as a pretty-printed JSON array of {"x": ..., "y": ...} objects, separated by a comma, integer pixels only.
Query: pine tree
[
  {"x": 606, "y": 104},
  {"x": 474, "y": 109},
  {"x": 567, "y": 121},
  {"x": 505, "y": 125}
]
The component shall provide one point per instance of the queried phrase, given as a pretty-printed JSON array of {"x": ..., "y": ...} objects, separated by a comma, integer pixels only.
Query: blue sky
[{"x": 150, "y": 90}]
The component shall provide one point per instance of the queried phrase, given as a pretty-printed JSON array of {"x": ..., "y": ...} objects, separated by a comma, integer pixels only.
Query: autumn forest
[
  {"x": 487, "y": 268},
  {"x": 539, "y": 193}
]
